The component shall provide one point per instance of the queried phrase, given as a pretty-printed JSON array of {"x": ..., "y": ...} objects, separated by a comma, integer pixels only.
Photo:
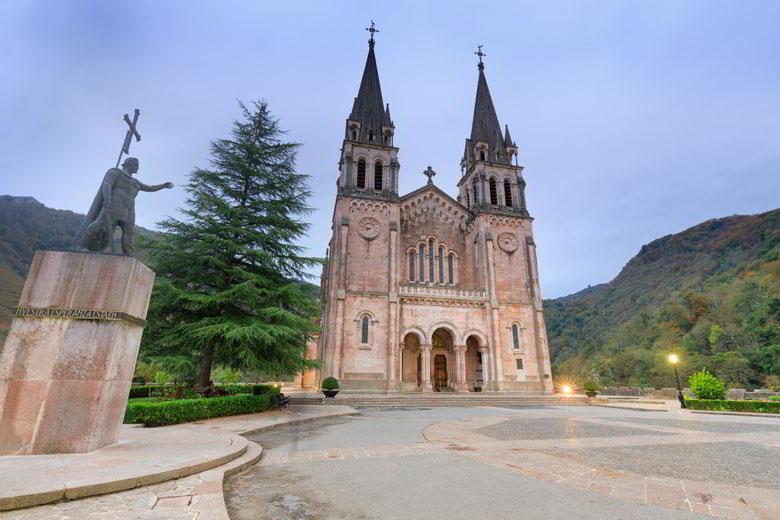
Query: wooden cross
[
  {"x": 429, "y": 173},
  {"x": 132, "y": 131}
]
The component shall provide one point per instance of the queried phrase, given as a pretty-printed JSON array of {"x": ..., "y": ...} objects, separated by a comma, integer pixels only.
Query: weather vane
[
  {"x": 480, "y": 54},
  {"x": 372, "y": 30}
]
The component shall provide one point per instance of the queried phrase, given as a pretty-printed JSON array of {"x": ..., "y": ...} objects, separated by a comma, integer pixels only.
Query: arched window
[
  {"x": 516, "y": 342},
  {"x": 421, "y": 262},
  {"x": 474, "y": 190},
  {"x": 361, "y": 174},
  {"x": 482, "y": 155},
  {"x": 354, "y": 134},
  {"x": 493, "y": 191},
  {"x": 378, "y": 175},
  {"x": 468, "y": 199},
  {"x": 450, "y": 269},
  {"x": 412, "y": 266},
  {"x": 364, "y": 324},
  {"x": 507, "y": 193},
  {"x": 431, "y": 254},
  {"x": 370, "y": 137},
  {"x": 441, "y": 264}
]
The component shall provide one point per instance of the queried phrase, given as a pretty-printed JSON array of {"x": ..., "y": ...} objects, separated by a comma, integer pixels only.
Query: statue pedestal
[{"x": 68, "y": 361}]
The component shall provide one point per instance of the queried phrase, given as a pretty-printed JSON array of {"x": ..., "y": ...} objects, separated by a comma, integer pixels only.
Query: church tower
[
  {"x": 360, "y": 279},
  {"x": 489, "y": 181},
  {"x": 369, "y": 165}
]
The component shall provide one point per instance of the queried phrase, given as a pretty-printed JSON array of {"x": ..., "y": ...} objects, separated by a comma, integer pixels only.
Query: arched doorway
[
  {"x": 442, "y": 360},
  {"x": 411, "y": 362},
  {"x": 475, "y": 376}
]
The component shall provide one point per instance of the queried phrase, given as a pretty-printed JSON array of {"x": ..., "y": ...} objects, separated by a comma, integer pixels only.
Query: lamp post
[{"x": 674, "y": 359}]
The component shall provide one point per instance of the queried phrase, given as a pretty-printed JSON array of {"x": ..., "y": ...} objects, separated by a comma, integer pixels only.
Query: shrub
[
  {"x": 774, "y": 397},
  {"x": 225, "y": 376},
  {"x": 706, "y": 386},
  {"x": 590, "y": 388},
  {"x": 330, "y": 383},
  {"x": 161, "y": 413},
  {"x": 734, "y": 406},
  {"x": 161, "y": 377}
]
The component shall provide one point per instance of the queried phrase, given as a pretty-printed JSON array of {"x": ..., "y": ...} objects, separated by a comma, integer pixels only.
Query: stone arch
[
  {"x": 483, "y": 342},
  {"x": 413, "y": 330},
  {"x": 446, "y": 325}
]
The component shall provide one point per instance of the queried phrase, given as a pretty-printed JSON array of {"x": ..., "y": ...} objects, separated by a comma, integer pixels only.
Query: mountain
[
  {"x": 711, "y": 293},
  {"x": 26, "y": 225}
]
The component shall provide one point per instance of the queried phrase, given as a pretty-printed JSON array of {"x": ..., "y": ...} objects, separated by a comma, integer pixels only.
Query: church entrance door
[{"x": 439, "y": 372}]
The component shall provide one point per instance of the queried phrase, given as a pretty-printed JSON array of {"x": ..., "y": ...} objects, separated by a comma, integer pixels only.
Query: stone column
[
  {"x": 68, "y": 361},
  {"x": 486, "y": 375},
  {"x": 460, "y": 364},
  {"x": 425, "y": 369}
]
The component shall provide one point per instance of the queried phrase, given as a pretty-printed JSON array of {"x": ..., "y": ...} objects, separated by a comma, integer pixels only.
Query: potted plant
[
  {"x": 330, "y": 386},
  {"x": 590, "y": 388}
]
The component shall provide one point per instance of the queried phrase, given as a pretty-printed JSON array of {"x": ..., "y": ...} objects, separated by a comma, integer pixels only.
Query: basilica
[{"x": 424, "y": 292}]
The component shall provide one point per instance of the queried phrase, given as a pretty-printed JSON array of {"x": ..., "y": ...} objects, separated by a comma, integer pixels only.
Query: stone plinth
[{"x": 64, "y": 378}]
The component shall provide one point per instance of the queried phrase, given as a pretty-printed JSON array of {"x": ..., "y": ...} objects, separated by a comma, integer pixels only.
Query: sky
[{"x": 634, "y": 120}]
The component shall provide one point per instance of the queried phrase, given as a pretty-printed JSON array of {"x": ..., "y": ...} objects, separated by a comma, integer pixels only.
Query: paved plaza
[
  {"x": 544, "y": 462},
  {"x": 581, "y": 462}
]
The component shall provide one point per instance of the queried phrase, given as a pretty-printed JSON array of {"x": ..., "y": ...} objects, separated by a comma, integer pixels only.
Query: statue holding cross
[{"x": 114, "y": 203}]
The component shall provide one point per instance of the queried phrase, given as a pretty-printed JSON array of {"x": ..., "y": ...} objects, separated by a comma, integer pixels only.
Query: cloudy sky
[{"x": 634, "y": 119}]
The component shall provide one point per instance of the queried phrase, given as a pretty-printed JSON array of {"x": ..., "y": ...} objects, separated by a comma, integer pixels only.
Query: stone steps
[{"x": 430, "y": 400}]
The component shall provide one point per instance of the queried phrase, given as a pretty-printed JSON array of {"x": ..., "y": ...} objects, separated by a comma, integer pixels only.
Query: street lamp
[{"x": 674, "y": 359}]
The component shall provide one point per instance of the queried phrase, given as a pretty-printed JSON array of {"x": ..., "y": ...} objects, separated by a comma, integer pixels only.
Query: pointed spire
[
  {"x": 368, "y": 108},
  {"x": 485, "y": 127},
  {"x": 508, "y": 138},
  {"x": 388, "y": 120}
]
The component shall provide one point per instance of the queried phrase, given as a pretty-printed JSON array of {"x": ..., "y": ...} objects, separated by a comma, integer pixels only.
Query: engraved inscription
[{"x": 75, "y": 314}]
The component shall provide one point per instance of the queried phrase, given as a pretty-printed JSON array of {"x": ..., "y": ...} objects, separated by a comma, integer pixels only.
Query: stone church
[{"x": 422, "y": 291}]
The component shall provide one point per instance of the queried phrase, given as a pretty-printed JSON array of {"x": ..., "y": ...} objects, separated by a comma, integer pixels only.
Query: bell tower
[
  {"x": 369, "y": 166},
  {"x": 490, "y": 182}
]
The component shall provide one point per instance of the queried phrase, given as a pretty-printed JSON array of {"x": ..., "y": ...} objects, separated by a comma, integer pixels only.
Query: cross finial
[
  {"x": 429, "y": 173},
  {"x": 372, "y": 30},
  {"x": 481, "y": 55}
]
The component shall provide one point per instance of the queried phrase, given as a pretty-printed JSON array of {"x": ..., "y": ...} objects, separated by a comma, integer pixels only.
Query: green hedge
[
  {"x": 161, "y": 413},
  {"x": 734, "y": 406}
]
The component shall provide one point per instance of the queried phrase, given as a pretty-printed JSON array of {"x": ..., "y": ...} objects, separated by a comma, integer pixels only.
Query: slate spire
[
  {"x": 484, "y": 126},
  {"x": 368, "y": 108}
]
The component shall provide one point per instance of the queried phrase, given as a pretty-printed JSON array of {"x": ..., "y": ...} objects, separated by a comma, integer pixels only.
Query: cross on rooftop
[
  {"x": 372, "y": 30},
  {"x": 429, "y": 173},
  {"x": 480, "y": 54}
]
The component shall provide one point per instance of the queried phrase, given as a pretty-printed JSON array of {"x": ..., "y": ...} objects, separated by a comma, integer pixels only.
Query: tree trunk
[{"x": 204, "y": 368}]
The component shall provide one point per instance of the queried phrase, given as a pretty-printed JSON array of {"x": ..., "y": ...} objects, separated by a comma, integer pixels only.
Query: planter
[
  {"x": 330, "y": 393},
  {"x": 590, "y": 393}
]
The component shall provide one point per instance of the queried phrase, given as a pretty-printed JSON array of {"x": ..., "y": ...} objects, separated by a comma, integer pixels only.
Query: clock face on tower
[
  {"x": 368, "y": 228},
  {"x": 507, "y": 242}
]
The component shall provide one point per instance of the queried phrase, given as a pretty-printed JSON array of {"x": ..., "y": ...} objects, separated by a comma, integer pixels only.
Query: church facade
[{"x": 425, "y": 292}]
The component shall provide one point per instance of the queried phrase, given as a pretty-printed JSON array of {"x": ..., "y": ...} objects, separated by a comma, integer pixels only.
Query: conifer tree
[{"x": 230, "y": 271}]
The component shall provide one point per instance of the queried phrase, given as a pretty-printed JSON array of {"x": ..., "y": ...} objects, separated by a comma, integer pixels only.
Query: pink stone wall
[{"x": 64, "y": 382}]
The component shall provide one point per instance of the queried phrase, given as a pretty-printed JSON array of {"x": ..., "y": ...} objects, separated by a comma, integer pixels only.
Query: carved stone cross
[{"x": 429, "y": 173}]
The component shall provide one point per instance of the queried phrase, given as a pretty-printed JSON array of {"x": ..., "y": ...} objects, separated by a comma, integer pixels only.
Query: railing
[{"x": 432, "y": 291}]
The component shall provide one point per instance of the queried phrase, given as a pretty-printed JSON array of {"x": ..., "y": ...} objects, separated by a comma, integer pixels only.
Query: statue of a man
[{"x": 114, "y": 205}]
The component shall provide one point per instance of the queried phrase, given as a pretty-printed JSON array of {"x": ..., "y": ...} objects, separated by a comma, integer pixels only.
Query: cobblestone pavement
[{"x": 578, "y": 462}]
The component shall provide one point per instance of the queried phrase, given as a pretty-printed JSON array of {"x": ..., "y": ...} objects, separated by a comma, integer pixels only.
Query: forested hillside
[{"x": 711, "y": 293}]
